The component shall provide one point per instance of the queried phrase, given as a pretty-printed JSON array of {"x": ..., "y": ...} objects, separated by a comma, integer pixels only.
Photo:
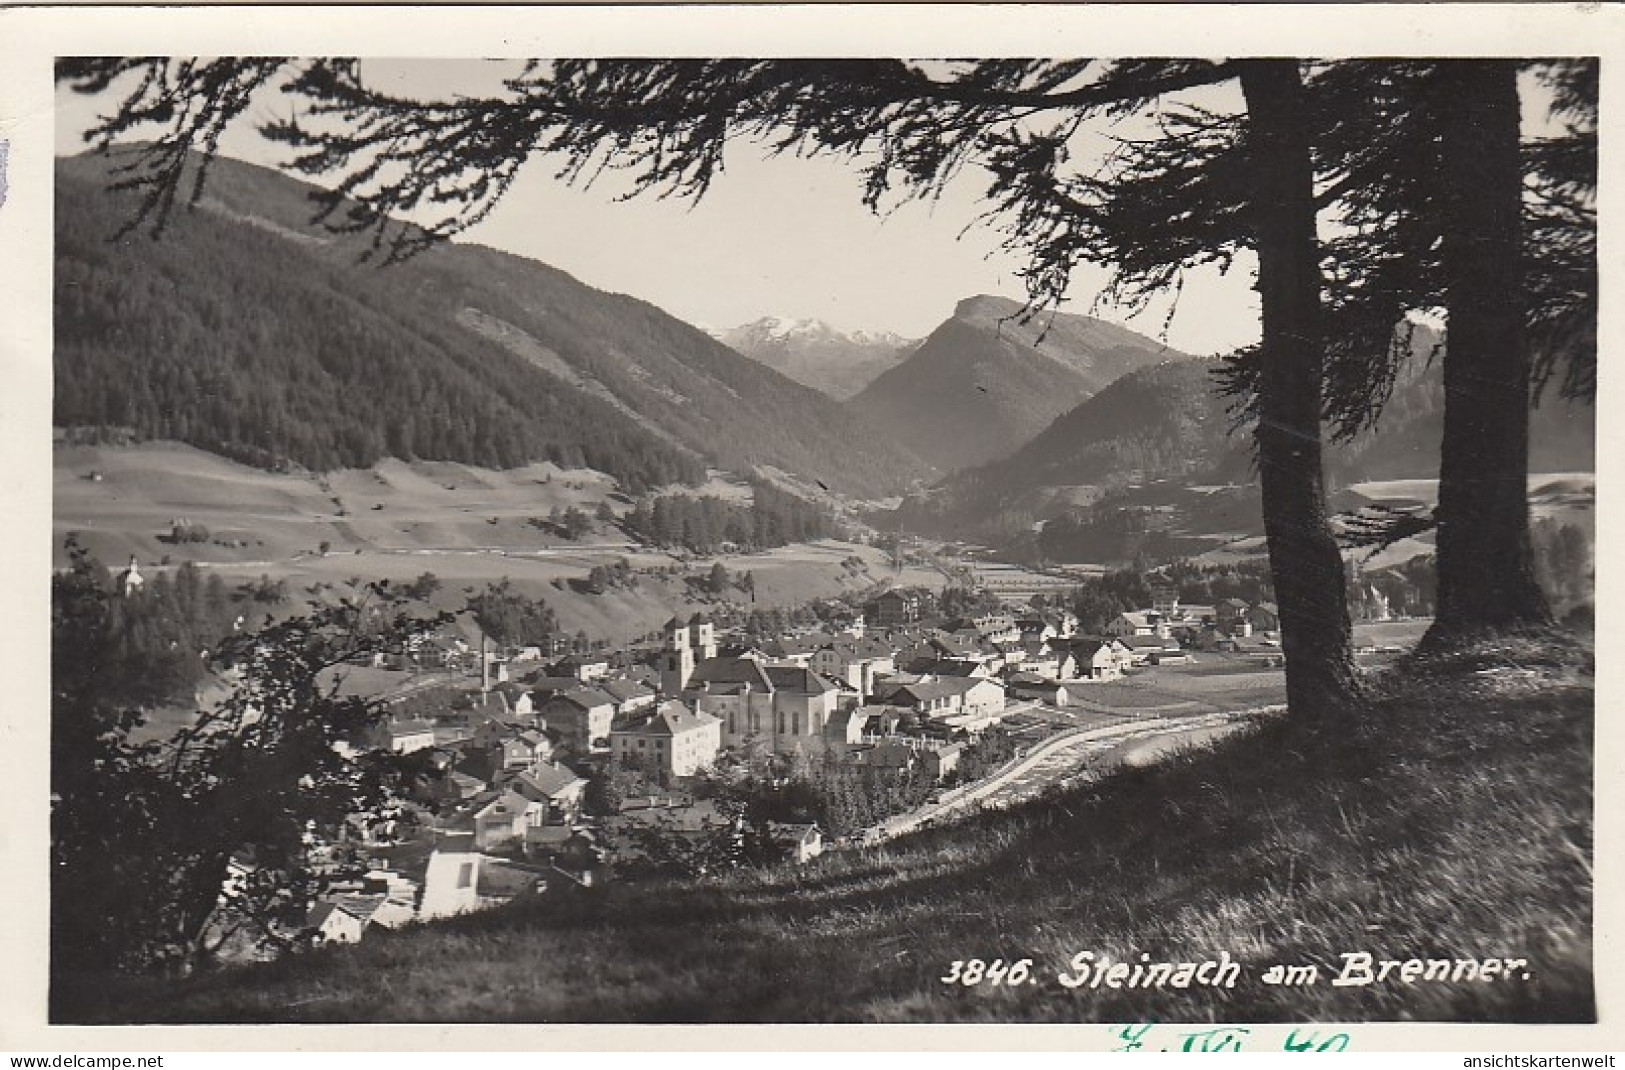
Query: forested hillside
[
  {"x": 1168, "y": 422},
  {"x": 249, "y": 333},
  {"x": 1405, "y": 442}
]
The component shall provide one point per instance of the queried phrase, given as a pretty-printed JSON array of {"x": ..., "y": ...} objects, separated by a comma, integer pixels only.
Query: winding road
[{"x": 1066, "y": 758}]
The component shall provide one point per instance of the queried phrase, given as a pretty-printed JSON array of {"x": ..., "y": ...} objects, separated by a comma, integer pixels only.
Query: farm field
[
  {"x": 121, "y": 500},
  {"x": 1541, "y": 485},
  {"x": 1569, "y": 497},
  {"x": 1400, "y": 633},
  {"x": 1214, "y": 682},
  {"x": 469, "y": 526}
]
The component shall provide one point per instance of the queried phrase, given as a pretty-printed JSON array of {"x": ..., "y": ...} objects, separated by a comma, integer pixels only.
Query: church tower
[
  {"x": 130, "y": 580},
  {"x": 702, "y": 636},
  {"x": 676, "y": 659}
]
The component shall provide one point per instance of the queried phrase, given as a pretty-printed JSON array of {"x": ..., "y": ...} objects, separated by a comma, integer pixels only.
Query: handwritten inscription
[{"x": 1150, "y": 1037}]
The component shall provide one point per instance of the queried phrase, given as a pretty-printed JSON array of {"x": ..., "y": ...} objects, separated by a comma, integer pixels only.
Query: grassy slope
[
  {"x": 396, "y": 520},
  {"x": 1460, "y": 827}
]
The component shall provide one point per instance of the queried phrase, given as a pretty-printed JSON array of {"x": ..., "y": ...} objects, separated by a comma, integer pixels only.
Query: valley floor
[{"x": 469, "y": 526}]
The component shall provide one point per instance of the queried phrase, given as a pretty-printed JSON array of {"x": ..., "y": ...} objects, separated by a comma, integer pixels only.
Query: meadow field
[{"x": 468, "y": 526}]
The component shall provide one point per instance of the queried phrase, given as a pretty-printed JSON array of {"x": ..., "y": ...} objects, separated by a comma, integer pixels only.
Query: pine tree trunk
[
  {"x": 1486, "y": 562},
  {"x": 1307, "y": 569}
]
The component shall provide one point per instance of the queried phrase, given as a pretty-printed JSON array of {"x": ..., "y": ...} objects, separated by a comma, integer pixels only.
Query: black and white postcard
[{"x": 575, "y": 518}]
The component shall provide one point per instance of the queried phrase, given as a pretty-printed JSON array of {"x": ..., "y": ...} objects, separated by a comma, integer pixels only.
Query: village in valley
[{"x": 555, "y": 770}]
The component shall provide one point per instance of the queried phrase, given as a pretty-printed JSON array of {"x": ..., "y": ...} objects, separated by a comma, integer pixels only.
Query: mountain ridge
[
  {"x": 1167, "y": 422},
  {"x": 984, "y": 382},
  {"x": 331, "y": 363}
]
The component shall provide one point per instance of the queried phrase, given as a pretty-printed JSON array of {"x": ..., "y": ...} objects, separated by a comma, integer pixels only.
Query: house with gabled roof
[
  {"x": 1265, "y": 617},
  {"x": 1036, "y": 630},
  {"x": 797, "y": 649},
  {"x": 405, "y": 735},
  {"x": 502, "y": 820},
  {"x": 945, "y": 666},
  {"x": 538, "y": 686},
  {"x": 845, "y": 728},
  {"x": 509, "y": 747},
  {"x": 1103, "y": 658},
  {"x": 581, "y": 717},
  {"x": 990, "y": 627},
  {"x": 450, "y": 882},
  {"x": 674, "y": 740},
  {"x": 1135, "y": 622},
  {"x": 965, "y": 644},
  {"x": 459, "y": 785},
  {"x": 582, "y": 667},
  {"x": 1036, "y": 657},
  {"x": 951, "y": 697},
  {"x": 935, "y": 758},
  {"x": 557, "y": 788},
  {"x": 1142, "y": 647},
  {"x": 1227, "y": 612},
  {"x": 338, "y": 920},
  {"x": 801, "y": 842},
  {"x": 856, "y": 663},
  {"x": 893, "y": 608},
  {"x": 1039, "y": 688},
  {"x": 392, "y": 913},
  {"x": 1051, "y": 623},
  {"x": 490, "y": 731},
  {"x": 631, "y": 697},
  {"x": 460, "y": 879},
  {"x": 516, "y": 698}
]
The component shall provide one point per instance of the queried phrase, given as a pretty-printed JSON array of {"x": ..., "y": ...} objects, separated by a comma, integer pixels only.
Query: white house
[
  {"x": 408, "y": 736},
  {"x": 1132, "y": 622},
  {"x": 556, "y": 788},
  {"x": 803, "y": 842},
  {"x": 1096, "y": 659},
  {"x": 857, "y": 664},
  {"x": 451, "y": 883},
  {"x": 957, "y": 700},
  {"x": 338, "y": 922},
  {"x": 676, "y": 740},
  {"x": 505, "y": 818},
  {"x": 460, "y": 879}
]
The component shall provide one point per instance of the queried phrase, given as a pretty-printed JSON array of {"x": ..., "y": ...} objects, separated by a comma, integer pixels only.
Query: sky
[{"x": 774, "y": 236}]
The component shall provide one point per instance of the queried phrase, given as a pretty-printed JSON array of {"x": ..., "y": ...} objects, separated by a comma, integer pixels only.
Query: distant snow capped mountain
[{"x": 813, "y": 353}]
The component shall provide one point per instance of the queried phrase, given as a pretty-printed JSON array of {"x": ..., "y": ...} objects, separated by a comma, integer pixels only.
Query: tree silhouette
[
  {"x": 147, "y": 825},
  {"x": 1445, "y": 208},
  {"x": 1178, "y": 198},
  {"x": 1190, "y": 183}
]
